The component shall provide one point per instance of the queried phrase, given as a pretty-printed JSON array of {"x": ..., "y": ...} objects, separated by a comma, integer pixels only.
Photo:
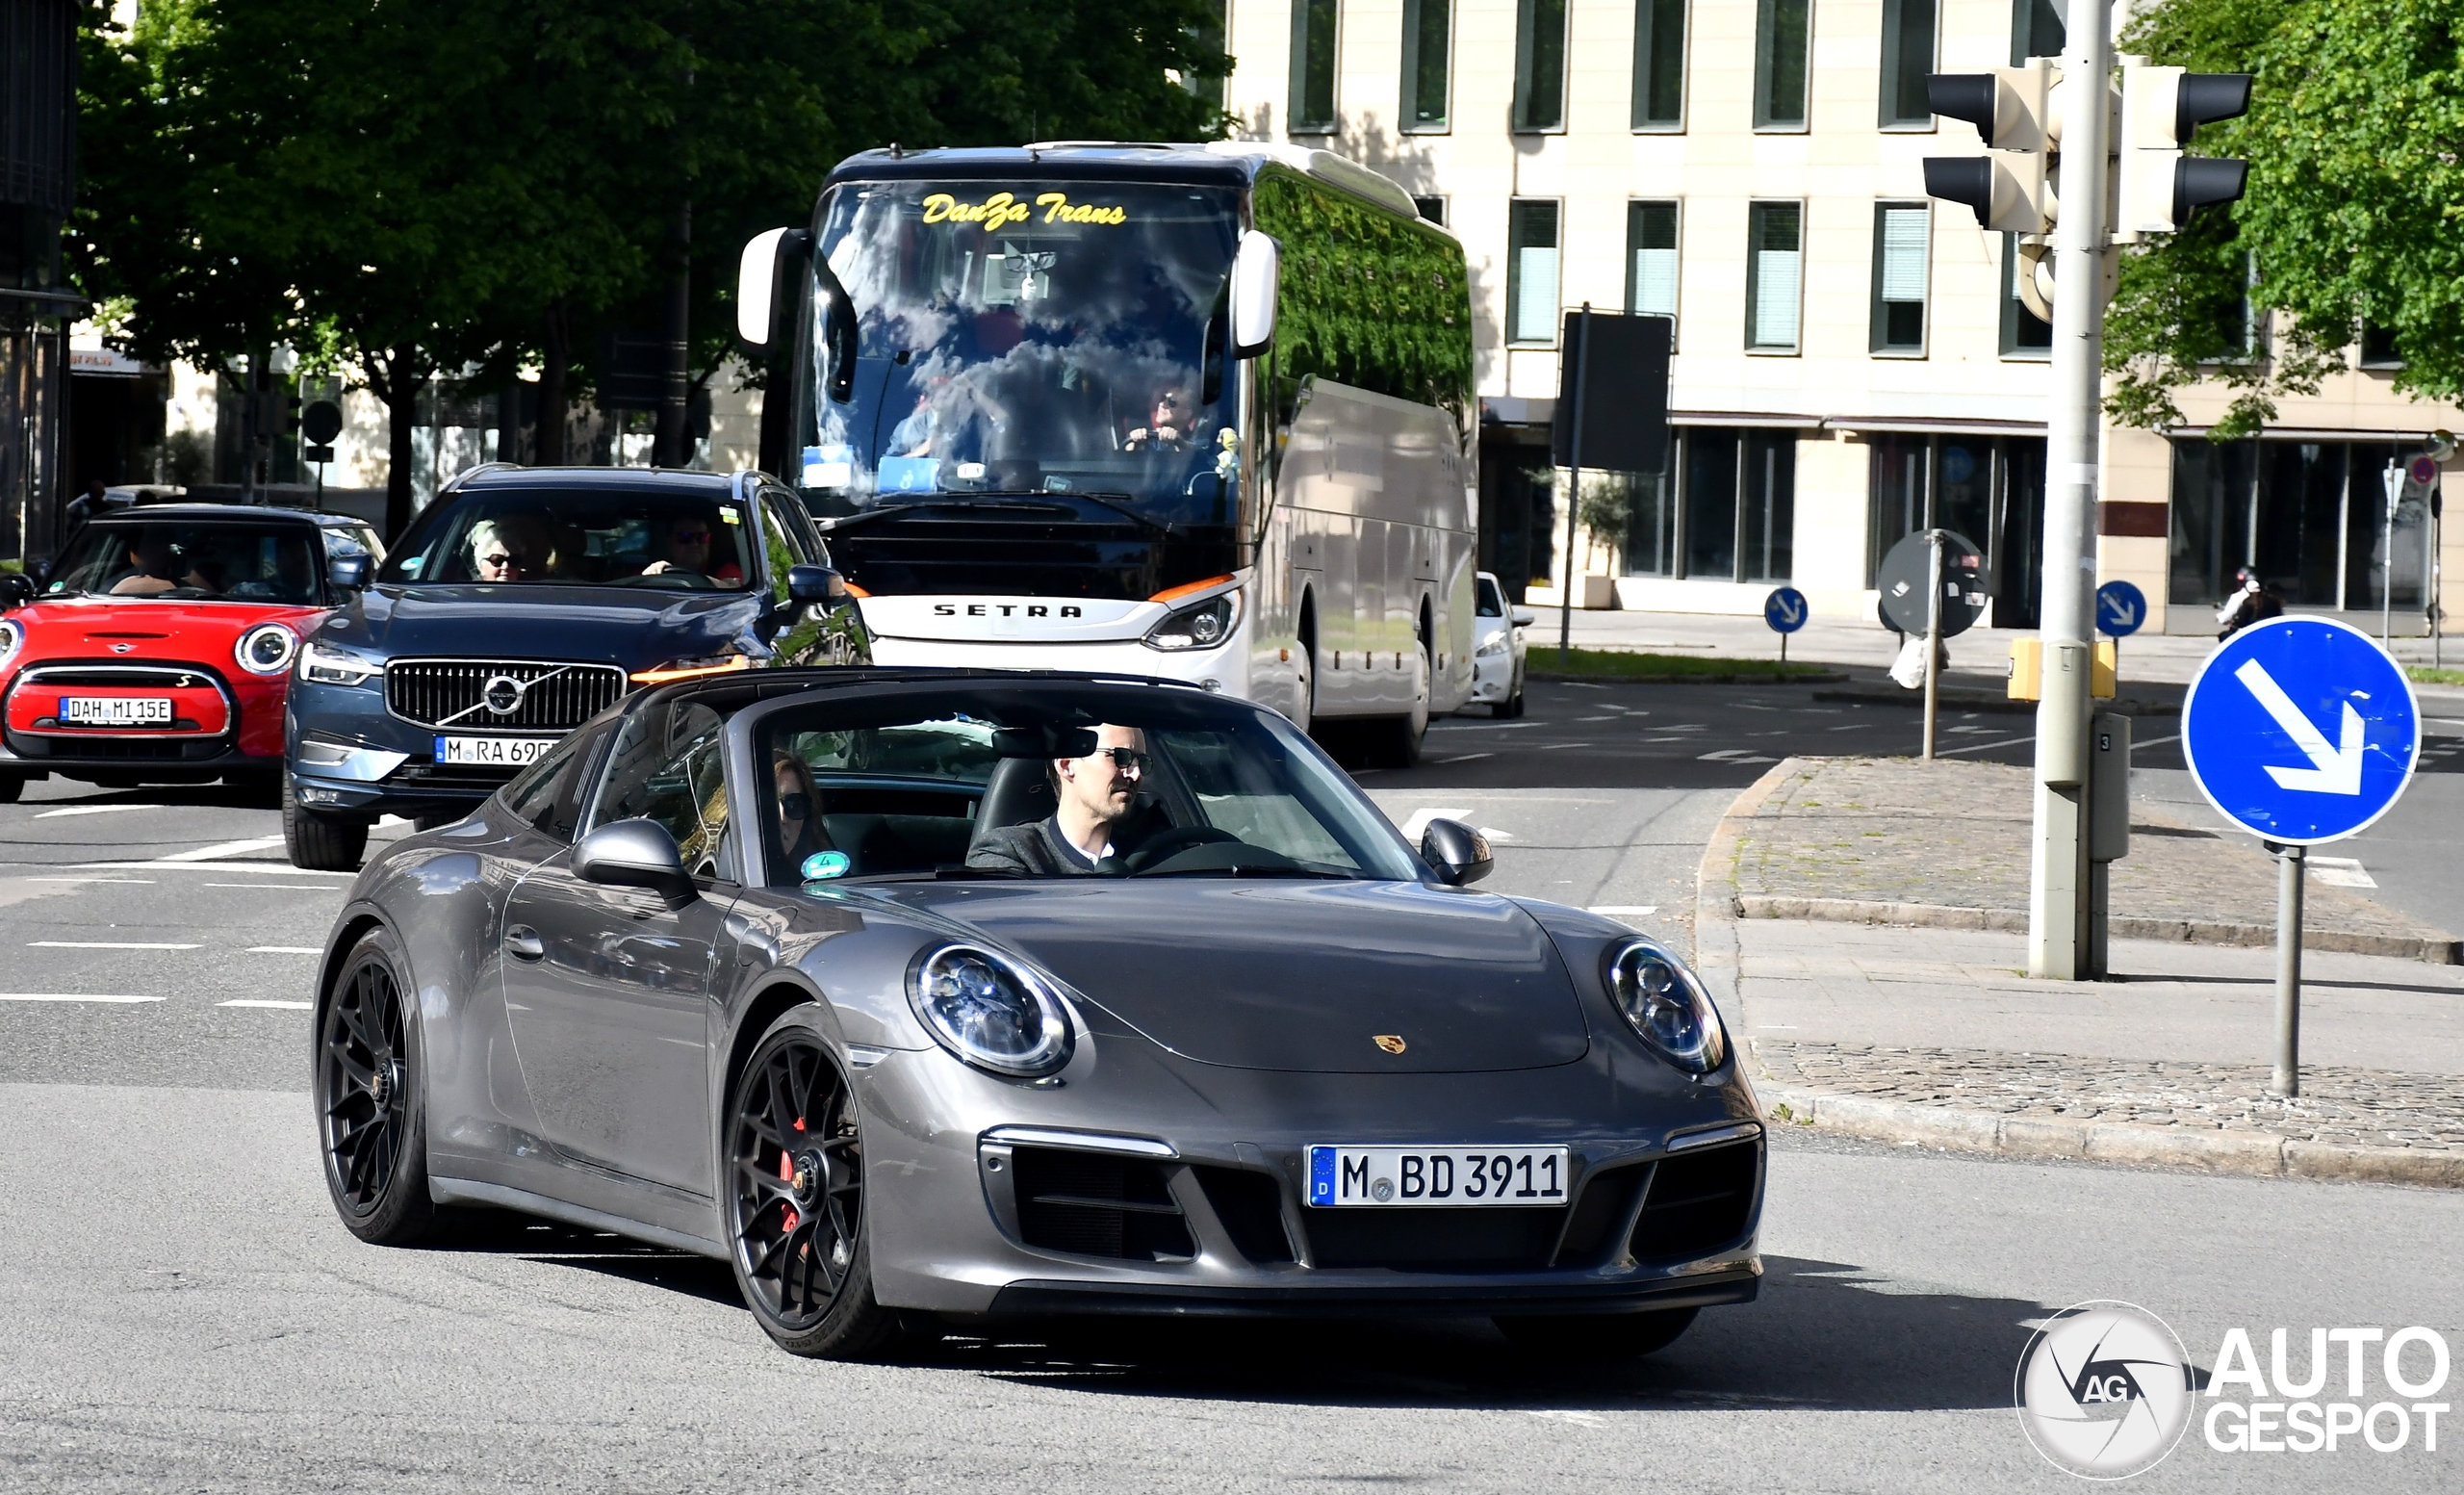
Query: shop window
[
  {"x": 1724, "y": 512},
  {"x": 1988, "y": 489}
]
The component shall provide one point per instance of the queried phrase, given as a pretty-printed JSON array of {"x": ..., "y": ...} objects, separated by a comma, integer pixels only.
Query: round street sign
[
  {"x": 2301, "y": 729},
  {"x": 2121, "y": 609},
  {"x": 1903, "y": 584},
  {"x": 1785, "y": 609},
  {"x": 321, "y": 422},
  {"x": 2424, "y": 469}
]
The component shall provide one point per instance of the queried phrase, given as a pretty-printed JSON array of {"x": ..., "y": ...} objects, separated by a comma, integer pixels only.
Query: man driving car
[{"x": 1096, "y": 794}]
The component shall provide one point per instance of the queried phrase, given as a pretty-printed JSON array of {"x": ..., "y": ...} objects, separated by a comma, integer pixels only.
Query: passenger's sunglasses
[
  {"x": 503, "y": 560},
  {"x": 1126, "y": 759},
  {"x": 1167, "y": 402},
  {"x": 796, "y": 806},
  {"x": 692, "y": 537}
]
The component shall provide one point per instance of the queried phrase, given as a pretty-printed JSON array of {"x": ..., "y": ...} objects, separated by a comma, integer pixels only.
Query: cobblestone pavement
[
  {"x": 1952, "y": 834},
  {"x": 2342, "y": 1107}
]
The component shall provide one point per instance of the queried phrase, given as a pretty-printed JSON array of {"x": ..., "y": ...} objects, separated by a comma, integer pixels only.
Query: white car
[{"x": 1498, "y": 649}]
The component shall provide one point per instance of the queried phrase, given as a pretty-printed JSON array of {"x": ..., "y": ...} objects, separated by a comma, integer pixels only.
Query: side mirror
[
  {"x": 1257, "y": 268},
  {"x": 16, "y": 590},
  {"x": 756, "y": 285},
  {"x": 1522, "y": 617},
  {"x": 349, "y": 573},
  {"x": 809, "y": 585},
  {"x": 1460, "y": 854},
  {"x": 636, "y": 853}
]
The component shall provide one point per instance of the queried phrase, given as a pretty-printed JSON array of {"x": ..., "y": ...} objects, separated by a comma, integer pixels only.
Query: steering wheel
[{"x": 1165, "y": 844}]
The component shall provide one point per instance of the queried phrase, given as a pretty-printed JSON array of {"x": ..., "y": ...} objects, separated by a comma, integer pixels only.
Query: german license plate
[
  {"x": 1445, "y": 1176},
  {"x": 492, "y": 752},
  {"x": 115, "y": 710}
]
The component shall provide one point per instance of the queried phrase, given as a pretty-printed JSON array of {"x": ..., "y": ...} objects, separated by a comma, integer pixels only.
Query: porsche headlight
[
  {"x": 266, "y": 649},
  {"x": 1666, "y": 1006},
  {"x": 990, "y": 1012},
  {"x": 329, "y": 666},
  {"x": 13, "y": 637},
  {"x": 1201, "y": 627}
]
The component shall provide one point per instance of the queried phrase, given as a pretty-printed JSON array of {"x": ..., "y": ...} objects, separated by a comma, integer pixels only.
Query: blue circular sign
[
  {"x": 2121, "y": 609},
  {"x": 1785, "y": 609},
  {"x": 2301, "y": 729}
]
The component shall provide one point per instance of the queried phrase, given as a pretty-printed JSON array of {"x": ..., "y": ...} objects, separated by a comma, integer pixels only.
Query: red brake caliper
[{"x": 787, "y": 1174}]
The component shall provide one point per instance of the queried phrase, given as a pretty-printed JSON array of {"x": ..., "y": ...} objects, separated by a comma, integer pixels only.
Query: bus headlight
[{"x": 1201, "y": 627}]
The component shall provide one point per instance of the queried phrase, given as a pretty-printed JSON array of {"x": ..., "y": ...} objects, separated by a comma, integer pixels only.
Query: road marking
[
  {"x": 1494, "y": 834},
  {"x": 90, "y": 810},
  {"x": 2156, "y": 743},
  {"x": 1731, "y": 754},
  {"x": 2343, "y": 872},
  {"x": 284, "y": 949},
  {"x": 263, "y": 1002},
  {"x": 127, "y": 882},
  {"x": 105, "y": 944},
  {"x": 221, "y": 849},
  {"x": 1985, "y": 747},
  {"x": 71, "y": 996},
  {"x": 284, "y": 886},
  {"x": 1418, "y": 825},
  {"x": 262, "y": 869},
  {"x": 1578, "y": 1418},
  {"x": 1625, "y": 910},
  {"x": 1594, "y": 718},
  {"x": 1460, "y": 758}
]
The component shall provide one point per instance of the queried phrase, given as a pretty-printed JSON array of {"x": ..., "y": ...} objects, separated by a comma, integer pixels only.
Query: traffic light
[
  {"x": 2161, "y": 108},
  {"x": 2016, "y": 112}
]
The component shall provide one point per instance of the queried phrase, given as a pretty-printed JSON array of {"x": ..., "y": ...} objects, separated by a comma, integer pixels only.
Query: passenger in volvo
[
  {"x": 510, "y": 547},
  {"x": 1095, "y": 794}
]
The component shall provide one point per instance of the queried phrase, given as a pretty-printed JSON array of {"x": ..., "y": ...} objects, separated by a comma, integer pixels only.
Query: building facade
[{"x": 1850, "y": 360}]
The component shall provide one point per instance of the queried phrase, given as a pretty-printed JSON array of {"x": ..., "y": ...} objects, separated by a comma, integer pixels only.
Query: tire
[
  {"x": 11, "y": 786},
  {"x": 1512, "y": 706},
  {"x": 320, "y": 843},
  {"x": 1597, "y": 1339},
  {"x": 795, "y": 1236},
  {"x": 371, "y": 1099}
]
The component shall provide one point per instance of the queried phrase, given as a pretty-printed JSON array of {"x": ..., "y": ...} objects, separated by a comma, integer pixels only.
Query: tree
[{"x": 2352, "y": 215}]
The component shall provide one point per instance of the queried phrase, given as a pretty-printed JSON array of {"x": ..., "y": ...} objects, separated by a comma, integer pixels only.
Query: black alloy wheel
[
  {"x": 795, "y": 1160},
  {"x": 1597, "y": 1338},
  {"x": 371, "y": 1115}
]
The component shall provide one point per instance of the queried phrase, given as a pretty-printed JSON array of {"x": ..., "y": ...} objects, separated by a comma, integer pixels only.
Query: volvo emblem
[
  {"x": 503, "y": 695},
  {"x": 123, "y": 648},
  {"x": 1392, "y": 1043}
]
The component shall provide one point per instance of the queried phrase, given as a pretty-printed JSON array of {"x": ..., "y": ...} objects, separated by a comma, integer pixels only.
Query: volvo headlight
[
  {"x": 13, "y": 637},
  {"x": 329, "y": 666},
  {"x": 266, "y": 649},
  {"x": 990, "y": 1012},
  {"x": 1666, "y": 1006},
  {"x": 1201, "y": 627}
]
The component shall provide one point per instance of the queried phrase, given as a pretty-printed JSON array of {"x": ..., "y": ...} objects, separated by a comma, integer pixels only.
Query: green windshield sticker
[
  {"x": 1002, "y": 209},
  {"x": 823, "y": 865}
]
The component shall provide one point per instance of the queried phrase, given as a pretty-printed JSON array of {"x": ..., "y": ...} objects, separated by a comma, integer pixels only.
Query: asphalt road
[{"x": 179, "y": 1309}]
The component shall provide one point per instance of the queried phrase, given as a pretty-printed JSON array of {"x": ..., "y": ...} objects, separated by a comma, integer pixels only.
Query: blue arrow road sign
[
  {"x": 2121, "y": 609},
  {"x": 2301, "y": 729},
  {"x": 1785, "y": 609}
]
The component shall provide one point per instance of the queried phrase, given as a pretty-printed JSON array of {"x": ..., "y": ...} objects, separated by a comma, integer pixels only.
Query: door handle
[{"x": 523, "y": 944}]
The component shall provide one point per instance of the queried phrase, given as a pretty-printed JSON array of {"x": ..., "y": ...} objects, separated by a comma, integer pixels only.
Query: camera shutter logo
[{"x": 2104, "y": 1390}]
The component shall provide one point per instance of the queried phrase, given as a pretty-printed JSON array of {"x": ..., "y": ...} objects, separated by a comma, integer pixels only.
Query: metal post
[
  {"x": 2058, "y": 902},
  {"x": 1933, "y": 632},
  {"x": 1574, "y": 488},
  {"x": 2437, "y": 597},
  {"x": 2286, "y": 1079},
  {"x": 2393, "y": 480}
]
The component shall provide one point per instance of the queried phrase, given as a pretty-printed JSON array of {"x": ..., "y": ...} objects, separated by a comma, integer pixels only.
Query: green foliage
[{"x": 2352, "y": 212}]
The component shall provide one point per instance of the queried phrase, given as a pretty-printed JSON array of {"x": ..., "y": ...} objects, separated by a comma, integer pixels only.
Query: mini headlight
[
  {"x": 12, "y": 637},
  {"x": 990, "y": 1012},
  {"x": 332, "y": 667},
  {"x": 266, "y": 649},
  {"x": 1202, "y": 626},
  {"x": 1666, "y": 1006}
]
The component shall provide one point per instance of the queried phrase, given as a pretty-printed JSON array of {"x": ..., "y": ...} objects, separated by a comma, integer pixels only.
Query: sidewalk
[{"x": 1863, "y": 924}]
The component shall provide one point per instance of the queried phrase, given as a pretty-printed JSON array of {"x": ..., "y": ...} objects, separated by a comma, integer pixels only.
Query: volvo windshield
[
  {"x": 565, "y": 536},
  {"x": 1028, "y": 337}
]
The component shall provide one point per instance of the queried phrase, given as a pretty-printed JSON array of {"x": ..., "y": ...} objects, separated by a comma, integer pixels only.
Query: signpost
[
  {"x": 1613, "y": 413},
  {"x": 1926, "y": 565},
  {"x": 320, "y": 422},
  {"x": 1786, "y": 611},
  {"x": 2301, "y": 730},
  {"x": 2425, "y": 472},
  {"x": 2393, "y": 481},
  {"x": 2121, "y": 609}
]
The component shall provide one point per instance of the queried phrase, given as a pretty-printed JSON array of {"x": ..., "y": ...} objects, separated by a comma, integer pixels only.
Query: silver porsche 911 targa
[{"x": 926, "y": 997}]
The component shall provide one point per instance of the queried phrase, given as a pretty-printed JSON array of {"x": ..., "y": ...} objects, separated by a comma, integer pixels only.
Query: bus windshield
[{"x": 1020, "y": 338}]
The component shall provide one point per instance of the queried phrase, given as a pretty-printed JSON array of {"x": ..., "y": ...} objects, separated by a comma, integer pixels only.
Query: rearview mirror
[
  {"x": 1460, "y": 854},
  {"x": 815, "y": 584},
  {"x": 349, "y": 573},
  {"x": 1522, "y": 617},
  {"x": 635, "y": 854},
  {"x": 1257, "y": 268},
  {"x": 756, "y": 284},
  {"x": 16, "y": 590}
]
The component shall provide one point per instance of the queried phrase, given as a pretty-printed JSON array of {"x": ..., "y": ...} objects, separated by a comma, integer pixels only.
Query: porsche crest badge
[{"x": 1392, "y": 1043}]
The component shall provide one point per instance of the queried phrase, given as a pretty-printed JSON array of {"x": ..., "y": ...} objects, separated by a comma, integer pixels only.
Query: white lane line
[
  {"x": 259, "y": 869},
  {"x": 2156, "y": 742},
  {"x": 1984, "y": 747},
  {"x": 261, "y": 1002},
  {"x": 71, "y": 996},
  {"x": 2343, "y": 872},
  {"x": 1625, "y": 910},
  {"x": 90, "y": 810},
  {"x": 285, "y": 886},
  {"x": 124, "y": 882},
  {"x": 284, "y": 949},
  {"x": 223, "y": 849},
  {"x": 105, "y": 944},
  {"x": 1494, "y": 834},
  {"x": 1459, "y": 758}
]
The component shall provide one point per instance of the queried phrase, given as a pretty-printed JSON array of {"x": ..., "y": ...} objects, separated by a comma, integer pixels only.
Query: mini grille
[
  {"x": 125, "y": 676},
  {"x": 452, "y": 693}
]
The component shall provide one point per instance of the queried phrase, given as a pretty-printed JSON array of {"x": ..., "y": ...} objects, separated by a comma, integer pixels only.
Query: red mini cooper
[{"x": 159, "y": 646}]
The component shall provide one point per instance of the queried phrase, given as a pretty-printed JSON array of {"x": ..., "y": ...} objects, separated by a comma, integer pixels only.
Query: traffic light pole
[{"x": 2060, "y": 940}]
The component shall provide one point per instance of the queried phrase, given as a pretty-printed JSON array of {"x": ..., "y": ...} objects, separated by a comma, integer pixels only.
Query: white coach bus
[{"x": 1201, "y": 412}]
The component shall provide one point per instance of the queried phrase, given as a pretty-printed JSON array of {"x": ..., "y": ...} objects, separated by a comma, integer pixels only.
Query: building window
[
  {"x": 1651, "y": 261},
  {"x": 1531, "y": 270},
  {"x": 2378, "y": 346},
  {"x": 1908, "y": 56},
  {"x": 2036, "y": 29},
  {"x": 1314, "y": 26},
  {"x": 2024, "y": 333},
  {"x": 1433, "y": 209},
  {"x": 1766, "y": 519},
  {"x": 1783, "y": 45},
  {"x": 1540, "y": 64},
  {"x": 1724, "y": 512},
  {"x": 1775, "y": 242},
  {"x": 1428, "y": 42},
  {"x": 1659, "y": 65},
  {"x": 1901, "y": 241},
  {"x": 1989, "y": 490},
  {"x": 2309, "y": 517},
  {"x": 1651, "y": 518}
]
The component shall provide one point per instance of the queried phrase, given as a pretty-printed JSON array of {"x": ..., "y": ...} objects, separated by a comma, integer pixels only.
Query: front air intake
[{"x": 1093, "y": 1204}]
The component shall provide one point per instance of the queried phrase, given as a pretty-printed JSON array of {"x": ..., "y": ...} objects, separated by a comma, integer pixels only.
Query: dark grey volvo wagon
[{"x": 926, "y": 997}]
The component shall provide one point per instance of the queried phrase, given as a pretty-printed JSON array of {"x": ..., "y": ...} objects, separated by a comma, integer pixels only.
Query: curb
[
  {"x": 2248, "y": 1155},
  {"x": 1991, "y": 700},
  {"x": 1823, "y": 678},
  {"x": 1715, "y": 949},
  {"x": 2178, "y": 931}
]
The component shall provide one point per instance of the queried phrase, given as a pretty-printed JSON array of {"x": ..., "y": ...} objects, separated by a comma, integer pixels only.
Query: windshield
[
  {"x": 1022, "y": 781},
  {"x": 189, "y": 559},
  {"x": 681, "y": 542},
  {"x": 1029, "y": 336}
]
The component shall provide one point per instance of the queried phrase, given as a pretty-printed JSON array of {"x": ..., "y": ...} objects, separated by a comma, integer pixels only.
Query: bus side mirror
[
  {"x": 1256, "y": 269},
  {"x": 756, "y": 285}
]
